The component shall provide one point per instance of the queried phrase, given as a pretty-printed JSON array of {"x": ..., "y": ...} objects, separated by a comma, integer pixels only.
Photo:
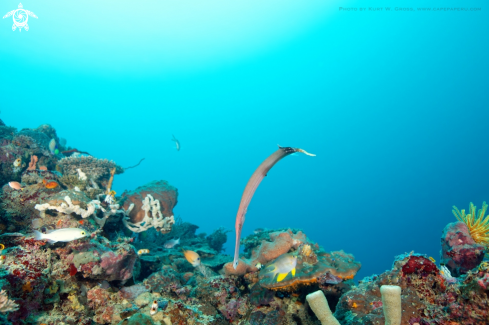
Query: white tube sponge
[
  {"x": 391, "y": 303},
  {"x": 319, "y": 305}
]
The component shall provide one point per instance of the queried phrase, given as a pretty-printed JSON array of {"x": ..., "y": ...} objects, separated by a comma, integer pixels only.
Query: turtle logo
[{"x": 20, "y": 17}]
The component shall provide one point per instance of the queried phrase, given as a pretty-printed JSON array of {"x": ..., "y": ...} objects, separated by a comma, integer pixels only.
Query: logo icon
[{"x": 20, "y": 17}]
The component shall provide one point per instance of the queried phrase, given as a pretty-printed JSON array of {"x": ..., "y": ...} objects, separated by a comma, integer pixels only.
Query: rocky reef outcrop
[{"x": 459, "y": 252}]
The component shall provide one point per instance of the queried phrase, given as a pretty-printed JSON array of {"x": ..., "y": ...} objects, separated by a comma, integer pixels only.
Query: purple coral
[
  {"x": 133, "y": 291},
  {"x": 164, "y": 280},
  {"x": 233, "y": 308},
  {"x": 118, "y": 266}
]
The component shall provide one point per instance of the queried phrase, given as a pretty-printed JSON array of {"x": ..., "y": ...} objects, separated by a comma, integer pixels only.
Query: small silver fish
[
  {"x": 171, "y": 243},
  {"x": 104, "y": 285},
  {"x": 177, "y": 143},
  {"x": 15, "y": 185},
  {"x": 62, "y": 235}
]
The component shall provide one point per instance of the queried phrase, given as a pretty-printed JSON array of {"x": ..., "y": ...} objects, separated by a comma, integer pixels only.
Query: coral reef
[
  {"x": 159, "y": 256},
  {"x": 26, "y": 271},
  {"x": 99, "y": 259},
  {"x": 19, "y": 206},
  {"x": 129, "y": 267},
  {"x": 427, "y": 297}
]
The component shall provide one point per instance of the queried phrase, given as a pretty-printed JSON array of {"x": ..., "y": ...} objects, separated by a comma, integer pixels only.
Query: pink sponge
[{"x": 281, "y": 243}]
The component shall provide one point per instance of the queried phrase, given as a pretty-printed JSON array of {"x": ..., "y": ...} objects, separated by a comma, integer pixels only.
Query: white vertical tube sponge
[
  {"x": 319, "y": 305},
  {"x": 391, "y": 303}
]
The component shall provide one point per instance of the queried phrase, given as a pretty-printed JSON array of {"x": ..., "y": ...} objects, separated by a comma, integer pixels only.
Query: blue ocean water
[{"x": 394, "y": 104}]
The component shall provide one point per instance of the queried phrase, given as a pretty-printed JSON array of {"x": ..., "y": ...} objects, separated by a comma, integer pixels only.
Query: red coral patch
[
  {"x": 420, "y": 265},
  {"x": 72, "y": 269}
]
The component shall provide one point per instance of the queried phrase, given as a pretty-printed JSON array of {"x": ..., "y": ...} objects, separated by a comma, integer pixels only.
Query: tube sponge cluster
[{"x": 391, "y": 303}]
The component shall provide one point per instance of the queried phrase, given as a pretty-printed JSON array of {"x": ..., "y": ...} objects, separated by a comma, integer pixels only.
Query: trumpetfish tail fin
[
  {"x": 290, "y": 150},
  {"x": 305, "y": 152}
]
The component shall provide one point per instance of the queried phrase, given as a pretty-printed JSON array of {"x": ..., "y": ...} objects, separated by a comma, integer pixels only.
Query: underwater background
[{"x": 394, "y": 104}]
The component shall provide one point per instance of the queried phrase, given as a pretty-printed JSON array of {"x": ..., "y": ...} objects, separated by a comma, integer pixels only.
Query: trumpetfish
[{"x": 251, "y": 187}]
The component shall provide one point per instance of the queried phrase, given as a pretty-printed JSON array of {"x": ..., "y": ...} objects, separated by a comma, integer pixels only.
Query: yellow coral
[
  {"x": 478, "y": 225},
  {"x": 75, "y": 303},
  {"x": 306, "y": 250},
  {"x": 484, "y": 267},
  {"x": 27, "y": 287},
  {"x": 53, "y": 288}
]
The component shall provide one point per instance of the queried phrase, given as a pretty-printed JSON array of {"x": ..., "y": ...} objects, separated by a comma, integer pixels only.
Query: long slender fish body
[{"x": 251, "y": 187}]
